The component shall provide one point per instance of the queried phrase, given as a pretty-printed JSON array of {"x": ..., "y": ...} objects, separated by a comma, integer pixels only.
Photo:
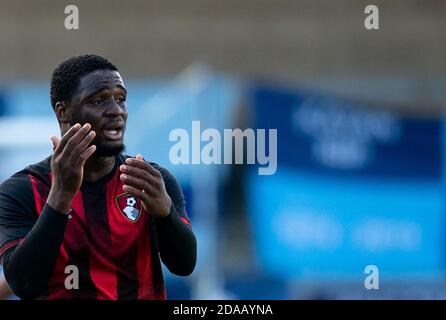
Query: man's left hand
[{"x": 146, "y": 183}]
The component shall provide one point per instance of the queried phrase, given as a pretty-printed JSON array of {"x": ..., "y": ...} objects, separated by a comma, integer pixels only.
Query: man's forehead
[{"x": 100, "y": 78}]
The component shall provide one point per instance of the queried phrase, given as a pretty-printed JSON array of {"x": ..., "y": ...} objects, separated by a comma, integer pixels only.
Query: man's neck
[{"x": 98, "y": 167}]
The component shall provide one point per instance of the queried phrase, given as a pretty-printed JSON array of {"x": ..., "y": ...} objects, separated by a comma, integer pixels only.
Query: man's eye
[
  {"x": 98, "y": 102},
  {"x": 120, "y": 99}
]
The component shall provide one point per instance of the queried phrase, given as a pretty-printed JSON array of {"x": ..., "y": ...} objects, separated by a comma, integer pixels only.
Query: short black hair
[{"x": 66, "y": 77}]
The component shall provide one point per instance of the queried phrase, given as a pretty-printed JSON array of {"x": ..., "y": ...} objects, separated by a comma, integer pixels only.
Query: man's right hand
[{"x": 67, "y": 165}]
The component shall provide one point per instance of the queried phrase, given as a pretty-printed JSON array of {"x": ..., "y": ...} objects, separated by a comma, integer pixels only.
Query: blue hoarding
[{"x": 354, "y": 186}]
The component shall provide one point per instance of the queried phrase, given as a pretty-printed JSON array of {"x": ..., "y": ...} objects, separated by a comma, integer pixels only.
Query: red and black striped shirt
[{"x": 108, "y": 236}]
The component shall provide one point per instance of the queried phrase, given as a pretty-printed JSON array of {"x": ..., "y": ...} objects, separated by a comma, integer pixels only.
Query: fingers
[
  {"x": 74, "y": 145},
  {"x": 143, "y": 165},
  {"x": 55, "y": 140},
  {"x": 66, "y": 137},
  {"x": 139, "y": 173},
  {"x": 138, "y": 183},
  {"x": 84, "y": 143},
  {"x": 76, "y": 139},
  {"x": 137, "y": 193},
  {"x": 86, "y": 154}
]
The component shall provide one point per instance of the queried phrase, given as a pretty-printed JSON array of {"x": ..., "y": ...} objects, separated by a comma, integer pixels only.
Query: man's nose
[{"x": 115, "y": 109}]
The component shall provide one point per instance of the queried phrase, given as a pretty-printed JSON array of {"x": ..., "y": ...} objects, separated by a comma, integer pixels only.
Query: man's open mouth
[{"x": 113, "y": 131}]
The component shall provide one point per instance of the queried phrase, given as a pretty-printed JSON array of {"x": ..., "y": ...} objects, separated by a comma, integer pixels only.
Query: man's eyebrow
[
  {"x": 91, "y": 94},
  {"x": 101, "y": 89},
  {"x": 122, "y": 87}
]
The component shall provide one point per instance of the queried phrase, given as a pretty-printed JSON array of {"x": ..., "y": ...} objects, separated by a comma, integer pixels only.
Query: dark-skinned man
[{"x": 89, "y": 211}]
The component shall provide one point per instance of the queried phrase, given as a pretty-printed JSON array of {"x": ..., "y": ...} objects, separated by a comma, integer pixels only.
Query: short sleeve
[{"x": 17, "y": 211}]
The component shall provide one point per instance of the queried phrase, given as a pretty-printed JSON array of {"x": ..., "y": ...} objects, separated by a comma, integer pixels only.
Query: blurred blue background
[
  {"x": 355, "y": 186},
  {"x": 359, "y": 116}
]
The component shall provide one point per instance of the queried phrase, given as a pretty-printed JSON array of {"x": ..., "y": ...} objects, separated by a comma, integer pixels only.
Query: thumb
[{"x": 55, "y": 140}]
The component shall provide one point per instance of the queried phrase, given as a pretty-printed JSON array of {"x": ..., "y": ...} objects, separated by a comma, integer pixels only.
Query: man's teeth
[{"x": 113, "y": 131}]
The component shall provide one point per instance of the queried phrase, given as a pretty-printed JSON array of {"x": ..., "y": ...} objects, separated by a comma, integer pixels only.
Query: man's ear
[{"x": 62, "y": 112}]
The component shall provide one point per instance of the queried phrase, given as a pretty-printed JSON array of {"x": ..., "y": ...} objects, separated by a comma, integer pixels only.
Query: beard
[{"x": 103, "y": 150}]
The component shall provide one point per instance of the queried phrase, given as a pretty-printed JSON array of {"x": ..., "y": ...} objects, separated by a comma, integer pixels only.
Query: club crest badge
[{"x": 129, "y": 206}]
